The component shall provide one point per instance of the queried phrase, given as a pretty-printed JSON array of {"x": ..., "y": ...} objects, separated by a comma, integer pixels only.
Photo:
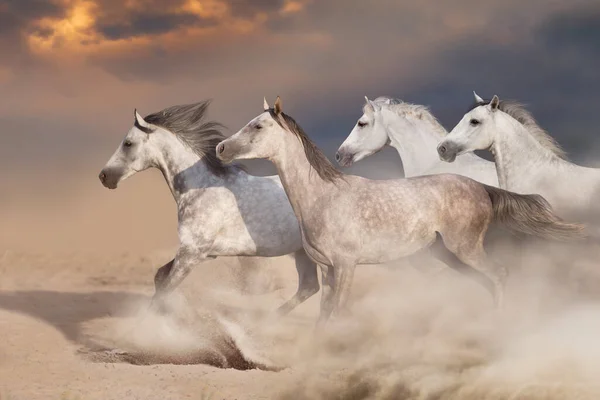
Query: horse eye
[
  {"x": 259, "y": 127},
  {"x": 362, "y": 124},
  {"x": 127, "y": 143},
  {"x": 474, "y": 122}
]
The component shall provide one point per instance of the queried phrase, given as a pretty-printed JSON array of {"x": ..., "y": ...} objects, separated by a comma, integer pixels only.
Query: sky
[{"x": 72, "y": 71}]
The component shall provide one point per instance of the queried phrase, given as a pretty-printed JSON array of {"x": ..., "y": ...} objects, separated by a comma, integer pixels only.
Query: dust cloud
[{"x": 416, "y": 330}]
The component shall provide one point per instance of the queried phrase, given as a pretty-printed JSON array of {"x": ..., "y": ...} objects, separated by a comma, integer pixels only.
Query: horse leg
[
  {"x": 327, "y": 305},
  {"x": 162, "y": 273},
  {"x": 170, "y": 275},
  {"x": 439, "y": 250},
  {"x": 344, "y": 275},
  {"x": 308, "y": 282},
  {"x": 476, "y": 257},
  {"x": 416, "y": 261}
]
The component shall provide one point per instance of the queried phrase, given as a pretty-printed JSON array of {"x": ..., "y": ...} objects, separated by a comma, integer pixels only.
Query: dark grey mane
[
  {"x": 315, "y": 157},
  {"x": 188, "y": 123},
  {"x": 518, "y": 112}
]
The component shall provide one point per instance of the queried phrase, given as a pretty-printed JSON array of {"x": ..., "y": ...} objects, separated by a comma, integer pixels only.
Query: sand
[{"x": 76, "y": 276}]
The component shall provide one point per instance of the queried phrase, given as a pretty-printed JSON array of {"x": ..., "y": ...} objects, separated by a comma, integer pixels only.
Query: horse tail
[{"x": 531, "y": 214}]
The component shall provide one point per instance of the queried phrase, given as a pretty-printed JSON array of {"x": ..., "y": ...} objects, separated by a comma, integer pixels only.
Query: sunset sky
[{"x": 72, "y": 71}]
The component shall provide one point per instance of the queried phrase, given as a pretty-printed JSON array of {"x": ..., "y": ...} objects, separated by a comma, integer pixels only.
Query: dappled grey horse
[
  {"x": 222, "y": 210},
  {"x": 348, "y": 220}
]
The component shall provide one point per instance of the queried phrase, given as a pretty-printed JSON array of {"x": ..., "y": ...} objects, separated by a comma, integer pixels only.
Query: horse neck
[
  {"x": 416, "y": 145},
  {"x": 182, "y": 169},
  {"x": 517, "y": 154},
  {"x": 300, "y": 181}
]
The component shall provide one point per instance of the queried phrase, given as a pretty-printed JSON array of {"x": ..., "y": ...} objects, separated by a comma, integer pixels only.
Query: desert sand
[{"x": 76, "y": 274}]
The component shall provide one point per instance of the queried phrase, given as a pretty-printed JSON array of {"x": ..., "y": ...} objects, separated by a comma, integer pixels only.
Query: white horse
[
  {"x": 414, "y": 132},
  {"x": 348, "y": 220},
  {"x": 222, "y": 210},
  {"x": 528, "y": 160}
]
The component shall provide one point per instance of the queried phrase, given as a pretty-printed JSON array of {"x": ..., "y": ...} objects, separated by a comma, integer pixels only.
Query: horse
[
  {"x": 414, "y": 132},
  {"x": 347, "y": 220},
  {"x": 528, "y": 159},
  {"x": 222, "y": 210}
]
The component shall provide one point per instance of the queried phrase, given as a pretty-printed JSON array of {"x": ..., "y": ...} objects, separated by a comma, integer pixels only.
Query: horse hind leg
[
  {"x": 308, "y": 283},
  {"x": 497, "y": 273},
  {"x": 472, "y": 260}
]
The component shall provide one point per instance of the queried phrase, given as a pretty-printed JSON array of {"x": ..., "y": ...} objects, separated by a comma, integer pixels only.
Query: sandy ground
[
  {"x": 53, "y": 317},
  {"x": 76, "y": 276}
]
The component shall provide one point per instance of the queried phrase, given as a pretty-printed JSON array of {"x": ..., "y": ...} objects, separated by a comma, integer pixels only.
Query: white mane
[
  {"x": 518, "y": 112},
  {"x": 409, "y": 111}
]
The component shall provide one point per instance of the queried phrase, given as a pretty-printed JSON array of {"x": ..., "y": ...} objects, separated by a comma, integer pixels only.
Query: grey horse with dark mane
[
  {"x": 222, "y": 210},
  {"x": 348, "y": 220}
]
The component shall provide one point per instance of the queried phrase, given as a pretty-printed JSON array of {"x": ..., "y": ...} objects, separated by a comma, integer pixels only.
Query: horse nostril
[
  {"x": 102, "y": 176},
  {"x": 337, "y": 156},
  {"x": 442, "y": 149},
  {"x": 220, "y": 148}
]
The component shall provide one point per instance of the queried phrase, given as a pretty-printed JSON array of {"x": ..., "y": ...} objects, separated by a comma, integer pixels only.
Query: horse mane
[
  {"x": 187, "y": 122},
  {"x": 408, "y": 110},
  {"x": 525, "y": 118},
  {"x": 315, "y": 157}
]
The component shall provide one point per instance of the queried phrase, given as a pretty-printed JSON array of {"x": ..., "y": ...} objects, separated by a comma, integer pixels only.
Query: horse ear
[
  {"x": 375, "y": 107},
  {"x": 494, "y": 103},
  {"x": 265, "y": 104},
  {"x": 141, "y": 122},
  {"x": 478, "y": 99},
  {"x": 370, "y": 104},
  {"x": 277, "y": 107}
]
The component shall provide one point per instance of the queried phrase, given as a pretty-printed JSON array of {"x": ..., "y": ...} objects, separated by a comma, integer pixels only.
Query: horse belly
[
  {"x": 384, "y": 249},
  {"x": 263, "y": 241}
]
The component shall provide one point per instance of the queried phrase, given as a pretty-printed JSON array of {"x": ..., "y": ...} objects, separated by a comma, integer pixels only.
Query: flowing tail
[{"x": 532, "y": 215}]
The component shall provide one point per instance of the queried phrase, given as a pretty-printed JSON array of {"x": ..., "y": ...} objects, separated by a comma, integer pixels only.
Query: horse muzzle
[
  {"x": 226, "y": 152},
  {"x": 109, "y": 178},
  {"x": 344, "y": 158},
  {"x": 447, "y": 151}
]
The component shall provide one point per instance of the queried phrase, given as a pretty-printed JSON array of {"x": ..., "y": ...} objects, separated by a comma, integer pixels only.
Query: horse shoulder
[{"x": 203, "y": 214}]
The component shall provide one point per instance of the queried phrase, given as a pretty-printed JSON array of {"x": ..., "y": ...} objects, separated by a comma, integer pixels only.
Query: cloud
[
  {"x": 249, "y": 8},
  {"x": 151, "y": 24},
  {"x": 576, "y": 31},
  {"x": 552, "y": 69},
  {"x": 82, "y": 59},
  {"x": 15, "y": 15}
]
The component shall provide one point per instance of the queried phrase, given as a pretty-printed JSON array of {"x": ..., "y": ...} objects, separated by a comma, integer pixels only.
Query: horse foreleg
[
  {"x": 169, "y": 276},
  {"x": 344, "y": 275},
  {"x": 308, "y": 282},
  {"x": 327, "y": 305}
]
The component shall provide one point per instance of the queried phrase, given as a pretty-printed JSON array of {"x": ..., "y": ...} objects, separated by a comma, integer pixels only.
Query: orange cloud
[
  {"x": 206, "y": 9},
  {"x": 90, "y": 27},
  {"x": 293, "y": 6},
  {"x": 73, "y": 29}
]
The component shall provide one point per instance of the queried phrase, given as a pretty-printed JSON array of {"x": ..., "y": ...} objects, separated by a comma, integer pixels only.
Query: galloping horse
[
  {"x": 347, "y": 220},
  {"x": 528, "y": 160},
  {"x": 222, "y": 210}
]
